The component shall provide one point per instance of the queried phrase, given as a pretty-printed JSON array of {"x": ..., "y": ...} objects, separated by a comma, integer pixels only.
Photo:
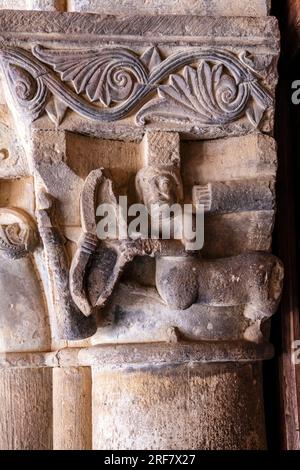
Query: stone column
[
  {"x": 26, "y": 410},
  {"x": 72, "y": 408},
  {"x": 176, "y": 407}
]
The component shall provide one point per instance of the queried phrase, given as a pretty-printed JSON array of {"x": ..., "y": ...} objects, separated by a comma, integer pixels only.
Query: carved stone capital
[{"x": 185, "y": 85}]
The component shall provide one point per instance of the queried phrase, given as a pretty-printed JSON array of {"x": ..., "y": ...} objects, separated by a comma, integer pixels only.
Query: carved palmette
[{"x": 208, "y": 88}]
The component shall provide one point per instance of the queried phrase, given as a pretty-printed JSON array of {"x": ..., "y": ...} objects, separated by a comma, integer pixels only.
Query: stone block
[{"x": 173, "y": 7}]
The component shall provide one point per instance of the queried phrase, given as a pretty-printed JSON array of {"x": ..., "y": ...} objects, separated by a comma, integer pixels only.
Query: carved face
[{"x": 159, "y": 186}]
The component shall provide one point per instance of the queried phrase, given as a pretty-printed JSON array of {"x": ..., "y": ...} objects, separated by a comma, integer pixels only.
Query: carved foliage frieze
[{"x": 194, "y": 85}]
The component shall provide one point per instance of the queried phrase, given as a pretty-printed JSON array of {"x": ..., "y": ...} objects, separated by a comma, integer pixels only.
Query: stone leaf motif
[
  {"x": 208, "y": 95},
  {"x": 24, "y": 84},
  {"x": 209, "y": 87},
  {"x": 107, "y": 76}
]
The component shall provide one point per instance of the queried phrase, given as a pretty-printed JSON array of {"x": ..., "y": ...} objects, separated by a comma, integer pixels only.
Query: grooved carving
[
  {"x": 193, "y": 85},
  {"x": 18, "y": 233}
]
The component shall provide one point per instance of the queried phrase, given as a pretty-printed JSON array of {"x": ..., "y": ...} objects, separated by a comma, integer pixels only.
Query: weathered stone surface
[
  {"x": 26, "y": 410},
  {"x": 24, "y": 319},
  {"x": 232, "y": 234},
  {"x": 161, "y": 149},
  {"x": 46, "y": 5},
  {"x": 72, "y": 410},
  {"x": 176, "y": 7},
  {"x": 254, "y": 280},
  {"x": 235, "y": 196},
  {"x": 179, "y": 415},
  {"x": 69, "y": 322},
  {"x": 255, "y": 32},
  {"x": 131, "y": 7},
  {"x": 13, "y": 161},
  {"x": 251, "y": 156},
  {"x": 127, "y": 356},
  {"x": 13, "y": 5},
  {"x": 137, "y": 314},
  {"x": 17, "y": 192}
]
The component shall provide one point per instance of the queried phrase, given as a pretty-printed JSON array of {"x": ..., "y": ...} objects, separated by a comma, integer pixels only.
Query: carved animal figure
[{"x": 252, "y": 279}]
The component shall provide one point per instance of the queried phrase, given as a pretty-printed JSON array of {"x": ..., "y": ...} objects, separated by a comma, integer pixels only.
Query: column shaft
[{"x": 72, "y": 408}]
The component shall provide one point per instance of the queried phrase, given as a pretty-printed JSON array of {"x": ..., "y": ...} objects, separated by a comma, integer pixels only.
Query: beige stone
[
  {"x": 13, "y": 161},
  {"x": 251, "y": 156},
  {"x": 45, "y": 5},
  {"x": 125, "y": 7},
  {"x": 126, "y": 356},
  {"x": 13, "y": 5},
  {"x": 72, "y": 412},
  {"x": 24, "y": 323},
  {"x": 26, "y": 410},
  {"x": 179, "y": 414},
  {"x": 161, "y": 149},
  {"x": 175, "y": 7}
]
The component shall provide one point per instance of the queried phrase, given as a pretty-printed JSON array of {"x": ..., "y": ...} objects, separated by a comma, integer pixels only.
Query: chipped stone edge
[
  {"x": 67, "y": 26},
  {"x": 141, "y": 355}
]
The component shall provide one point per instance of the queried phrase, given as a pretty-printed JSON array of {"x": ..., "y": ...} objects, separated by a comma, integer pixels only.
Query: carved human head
[{"x": 159, "y": 185}]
